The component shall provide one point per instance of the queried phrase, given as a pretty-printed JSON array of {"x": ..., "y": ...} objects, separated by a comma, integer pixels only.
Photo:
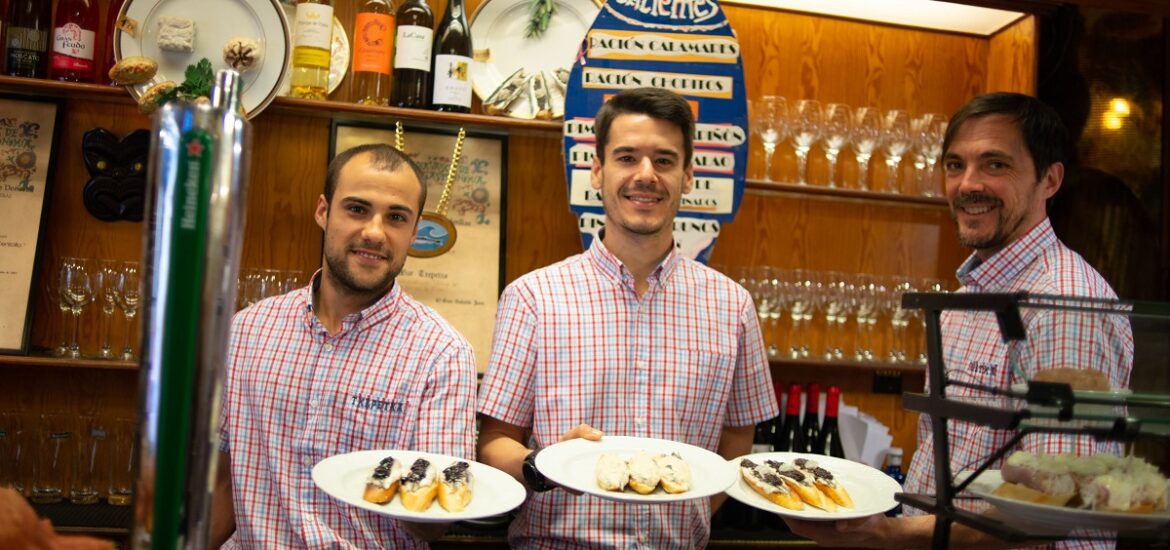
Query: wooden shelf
[
  {"x": 836, "y": 193},
  {"x": 858, "y": 366},
  {"x": 325, "y": 109},
  {"x": 65, "y": 362}
]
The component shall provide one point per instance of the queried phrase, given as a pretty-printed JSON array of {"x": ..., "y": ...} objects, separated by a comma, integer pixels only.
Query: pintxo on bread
[
  {"x": 1099, "y": 482},
  {"x": 795, "y": 484},
  {"x": 764, "y": 480},
  {"x": 643, "y": 473},
  {"x": 825, "y": 481},
  {"x": 420, "y": 484}
]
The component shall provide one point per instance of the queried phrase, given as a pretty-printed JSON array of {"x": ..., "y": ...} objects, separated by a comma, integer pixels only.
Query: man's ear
[
  {"x": 688, "y": 178},
  {"x": 322, "y": 213},
  {"x": 595, "y": 172},
  {"x": 1053, "y": 178}
]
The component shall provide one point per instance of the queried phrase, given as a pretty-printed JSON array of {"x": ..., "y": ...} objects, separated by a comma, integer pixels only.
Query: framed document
[
  {"x": 464, "y": 283},
  {"x": 28, "y": 130}
]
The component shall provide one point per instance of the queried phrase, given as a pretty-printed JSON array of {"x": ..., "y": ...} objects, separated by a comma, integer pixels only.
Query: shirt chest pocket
[{"x": 377, "y": 423}]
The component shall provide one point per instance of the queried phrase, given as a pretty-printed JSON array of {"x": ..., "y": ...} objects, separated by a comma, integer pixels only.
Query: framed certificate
[
  {"x": 28, "y": 131},
  {"x": 464, "y": 283}
]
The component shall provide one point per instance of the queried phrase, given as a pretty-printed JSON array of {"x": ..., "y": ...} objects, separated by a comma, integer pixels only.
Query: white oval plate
[
  {"x": 344, "y": 477},
  {"x": 497, "y": 34},
  {"x": 572, "y": 463},
  {"x": 339, "y": 51},
  {"x": 872, "y": 491},
  {"x": 216, "y": 22},
  {"x": 1059, "y": 518}
]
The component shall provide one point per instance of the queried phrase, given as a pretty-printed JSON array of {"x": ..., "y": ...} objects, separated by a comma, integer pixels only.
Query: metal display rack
[{"x": 1057, "y": 417}]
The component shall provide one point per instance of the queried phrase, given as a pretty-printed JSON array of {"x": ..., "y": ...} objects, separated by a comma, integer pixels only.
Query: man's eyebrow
[
  {"x": 392, "y": 208},
  {"x": 630, "y": 149}
]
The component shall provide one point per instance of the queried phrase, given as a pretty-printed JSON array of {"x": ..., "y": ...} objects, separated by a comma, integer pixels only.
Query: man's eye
[
  {"x": 356, "y": 209},
  {"x": 665, "y": 162},
  {"x": 953, "y": 165}
]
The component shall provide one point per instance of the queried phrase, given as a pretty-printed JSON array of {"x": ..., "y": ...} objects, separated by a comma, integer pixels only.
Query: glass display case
[{"x": 1049, "y": 416}]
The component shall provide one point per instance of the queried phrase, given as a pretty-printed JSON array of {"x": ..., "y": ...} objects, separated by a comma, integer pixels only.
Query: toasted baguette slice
[
  {"x": 383, "y": 482},
  {"x": 676, "y": 474},
  {"x": 1015, "y": 491},
  {"x": 455, "y": 487},
  {"x": 419, "y": 486},
  {"x": 825, "y": 481},
  {"x": 644, "y": 475},
  {"x": 612, "y": 472},
  {"x": 802, "y": 484},
  {"x": 763, "y": 480}
]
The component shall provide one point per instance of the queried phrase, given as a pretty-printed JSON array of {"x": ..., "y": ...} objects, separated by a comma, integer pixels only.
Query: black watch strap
[{"x": 532, "y": 477}]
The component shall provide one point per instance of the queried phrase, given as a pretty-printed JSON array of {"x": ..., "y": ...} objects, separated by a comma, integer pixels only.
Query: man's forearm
[{"x": 733, "y": 442}]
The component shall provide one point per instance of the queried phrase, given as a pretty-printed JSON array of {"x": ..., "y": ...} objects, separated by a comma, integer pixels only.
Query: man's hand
[{"x": 580, "y": 431}]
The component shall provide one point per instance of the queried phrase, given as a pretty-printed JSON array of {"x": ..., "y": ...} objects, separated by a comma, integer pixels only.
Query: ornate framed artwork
[
  {"x": 28, "y": 131},
  {"x": 464, "y": 283}
]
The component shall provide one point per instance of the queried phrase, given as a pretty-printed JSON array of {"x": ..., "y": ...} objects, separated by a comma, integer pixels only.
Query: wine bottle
[
  {"x": 27, "y": 38},
  {"x": 452, "y": 88},
  {"x": 75, "y": 40},
  {"x": 789, "y": 437},
  {"x": 311, "y": 50},
  {"x": 763, "y": 437},
  {"x": 830, "y": 441},
  {"x": 373, "y": 41},
  {"x": 412, "y": 55},
  {"x": 894, "y": 470},
  {"x": 110, "y": 46},
  {"x": 811, "y": 426}
]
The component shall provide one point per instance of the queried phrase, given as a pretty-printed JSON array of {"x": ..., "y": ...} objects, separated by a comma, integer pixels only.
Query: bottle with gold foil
[
  {"x": 373, "y": 43},
  {"x": 313, "y": 35}
]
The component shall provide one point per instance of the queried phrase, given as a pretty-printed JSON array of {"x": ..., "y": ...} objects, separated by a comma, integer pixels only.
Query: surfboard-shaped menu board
[{"x": 686, "y": 46}]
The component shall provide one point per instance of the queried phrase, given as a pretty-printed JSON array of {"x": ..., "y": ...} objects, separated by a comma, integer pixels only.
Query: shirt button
[
  {"x": 312, "y": 402},
  {"x": 329, "y": 348},
  {"x": 641, "y": 422}
]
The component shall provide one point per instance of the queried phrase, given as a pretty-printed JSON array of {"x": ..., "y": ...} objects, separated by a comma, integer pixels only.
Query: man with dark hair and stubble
[
  {"x": 628, "y": 338},
  {"x": 348, "y": 363},
  {"x": 1003, "y": 157}
]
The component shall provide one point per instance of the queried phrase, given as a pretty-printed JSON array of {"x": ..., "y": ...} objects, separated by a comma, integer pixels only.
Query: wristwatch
[{"x": 532, "y": 477}]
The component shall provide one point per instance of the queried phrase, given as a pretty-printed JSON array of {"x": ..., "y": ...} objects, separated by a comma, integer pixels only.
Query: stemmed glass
[
  {"x": 290, "y": 281},
  {"x": 837, "y": 306},
  {"x": 865, "y": 134},
  {"x": 805, "y": 130},
  {"x": 803, "y": 296},
  {"x": 896, "y": 139},
  {"x": 56, "y": 296},
  {"x": 836, "y": 134},
  {"x": 129, "y": 295},
  {"x": 899, "y": 319},
  {"x": 769, "y": 120},
  {"x": 867, "y": 304},
  {"x": 933, "y": 127},
  {"x": 107, "y": 288},
  {"x": 77, "y": 292}
]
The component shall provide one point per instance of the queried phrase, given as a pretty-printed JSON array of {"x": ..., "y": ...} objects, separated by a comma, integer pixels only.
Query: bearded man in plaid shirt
[
  {"x": 1003, "y": 156},
  {"x": 628, "y": 338}
]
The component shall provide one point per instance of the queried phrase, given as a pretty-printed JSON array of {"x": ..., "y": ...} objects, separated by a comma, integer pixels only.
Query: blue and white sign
[{"x": 686, "y": 46}]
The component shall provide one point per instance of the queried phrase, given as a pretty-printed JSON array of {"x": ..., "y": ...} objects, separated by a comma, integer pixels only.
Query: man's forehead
[{"x": 988, "y": 134}]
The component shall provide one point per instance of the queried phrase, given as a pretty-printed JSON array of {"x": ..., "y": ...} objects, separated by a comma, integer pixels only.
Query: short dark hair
[
  {"x": 383, "y": 157},
  {"x": 652, "y": 102},
  {"x": 1044, "y": 133}
]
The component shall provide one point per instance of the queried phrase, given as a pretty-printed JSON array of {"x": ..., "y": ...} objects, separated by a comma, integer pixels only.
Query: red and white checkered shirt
[
  {"x": 396, "y": 376},
  {"x": 975, "y": 352},
  {"x": 575, "y": 343}
]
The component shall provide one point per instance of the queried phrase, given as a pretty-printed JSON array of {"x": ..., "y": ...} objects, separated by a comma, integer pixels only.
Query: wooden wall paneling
[
  {"x": 541, "y": 229},
  {"x": 1011, "y": 59}
]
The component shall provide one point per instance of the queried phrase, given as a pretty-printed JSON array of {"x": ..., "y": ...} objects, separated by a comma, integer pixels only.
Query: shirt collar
[
  {"x": 610, "y": 266},
  {"x": 375, "y": 313},
  {"x": 1005, "y": 266}
]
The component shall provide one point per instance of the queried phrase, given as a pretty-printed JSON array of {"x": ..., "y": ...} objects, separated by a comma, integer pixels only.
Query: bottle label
[
  {"x": 314, "y": 27},
  {"x": 375, "y": 41},
  {"x": 414, "y": 48},
  {"x": 72, "y": 48},
  {"x": 24, "y": 38},
  {"x": 452, "y": 80},
  {"x": 310, "y": 57}
]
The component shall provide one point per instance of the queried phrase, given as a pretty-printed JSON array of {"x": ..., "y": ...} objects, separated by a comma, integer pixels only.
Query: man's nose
[{"x": 646, "y": 170}]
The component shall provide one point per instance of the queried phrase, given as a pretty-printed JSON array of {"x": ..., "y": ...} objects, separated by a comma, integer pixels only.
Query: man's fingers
[{"x": 582, "y": 431}]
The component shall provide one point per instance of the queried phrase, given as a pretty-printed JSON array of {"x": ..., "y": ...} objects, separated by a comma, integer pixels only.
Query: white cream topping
[
  {"x": 643, "y": 469},
  {"x": 612, "y": 472},
  {"x": 674, "y": 469}
]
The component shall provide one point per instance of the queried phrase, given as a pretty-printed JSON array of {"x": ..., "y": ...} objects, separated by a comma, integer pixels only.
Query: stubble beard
[{"x": 340, "y": 273}]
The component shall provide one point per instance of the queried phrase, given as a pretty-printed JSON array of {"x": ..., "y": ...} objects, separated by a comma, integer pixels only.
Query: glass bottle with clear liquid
[{"x": 312, "y": 41}]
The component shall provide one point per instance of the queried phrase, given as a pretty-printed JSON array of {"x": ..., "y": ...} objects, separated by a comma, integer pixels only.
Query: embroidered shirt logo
[{"x": 379, "y": 405}]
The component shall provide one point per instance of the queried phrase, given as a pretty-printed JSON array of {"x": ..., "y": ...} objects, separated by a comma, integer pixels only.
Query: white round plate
[
  {"x": 216, "y": 22},
  {"x": 572, "y": 463},
  {"x": 497, "y": 34},
  {"x": 344, "y": 477},
  {"x": 1059, "y": 518},
  {"x": 338, "y": 53},
  {"x": 872, "y": 491}
]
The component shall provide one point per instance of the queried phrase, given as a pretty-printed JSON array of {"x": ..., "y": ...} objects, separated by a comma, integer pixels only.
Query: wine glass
[
  {"x": 76, "y": 291},
  {"x": 866, "y": 294},
  {"x": 106, "y": 280},
  {"x": 865, "y": 135},
  {"x": 899, "y": 318},
  {"x": 291, "y": 280},
  {"x": 896, "y": 140},
  {"x": 837, "y": 305},
  {"x": 129, "y": 295},
  {"x": 53, "y": 287},
  {"x": 805, "y": 130},
  {"x": 930, "y": 140},
  {"x": 769, "y": 119},
  {"x": 835, "y": 130}
]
